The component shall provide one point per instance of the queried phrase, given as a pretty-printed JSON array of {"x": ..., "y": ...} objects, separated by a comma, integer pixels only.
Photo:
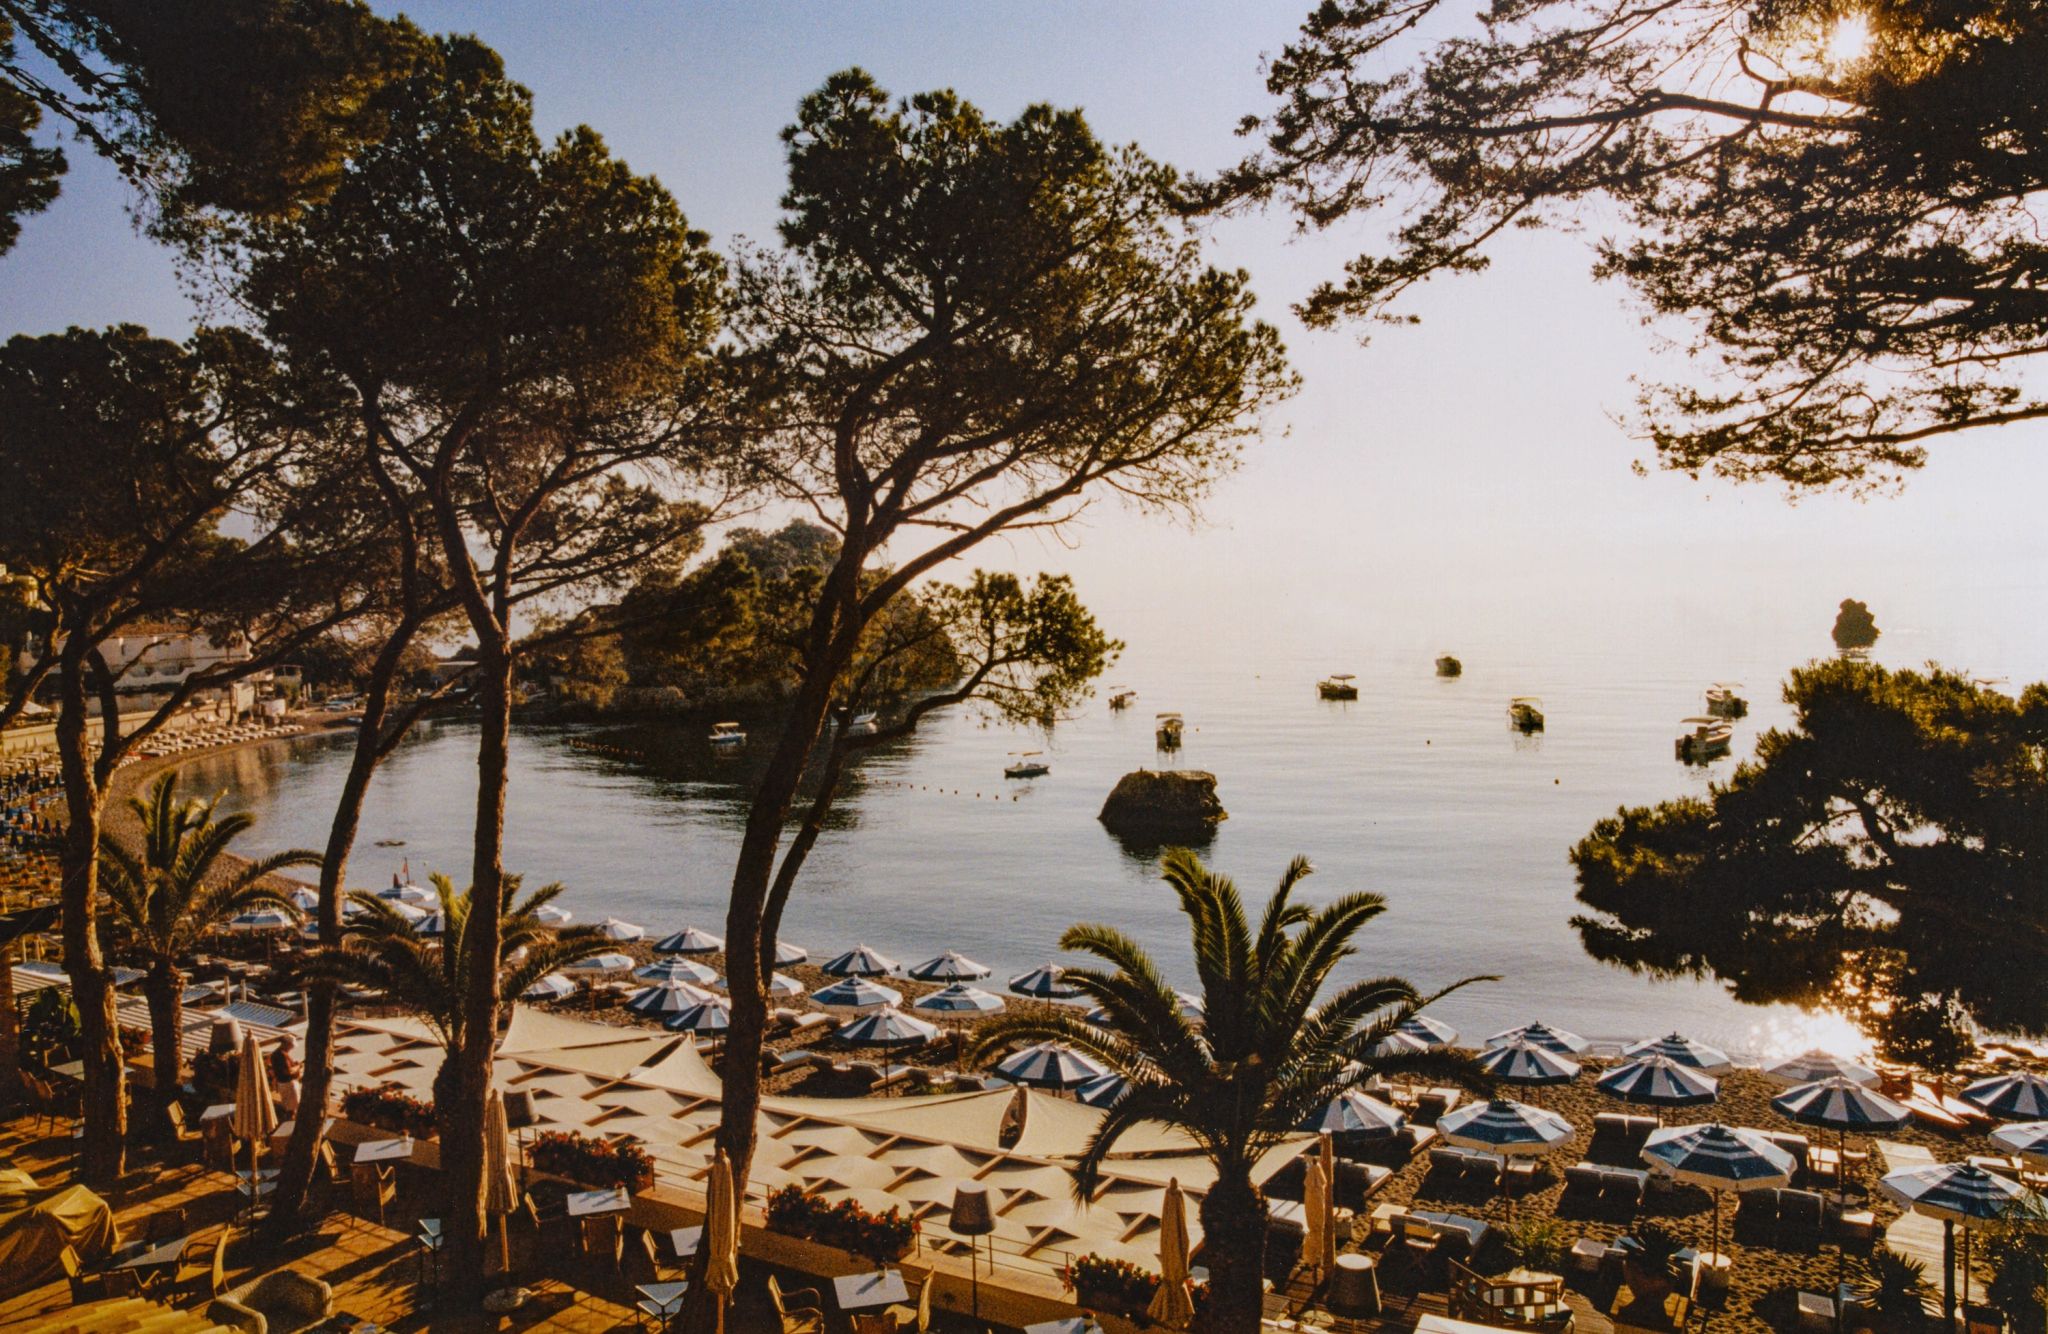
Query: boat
[
  {"x": 1723, "y": 702},
  {"x": 1028, "y": 765},
  {"x": 863, "y": 724},
  {"x": 1705, "y": 739},
  {"x": 1341, "y": 686},
  {"x": 1167, "y": 728},
  {"x": 1122, "y": 697},
  {"x": 1525, "y": 713},
  {"x": 727, "y": 736},
  {"x": 1446, "y": 665}
]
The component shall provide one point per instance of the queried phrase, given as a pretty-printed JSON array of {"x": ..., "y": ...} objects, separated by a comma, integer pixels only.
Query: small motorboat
[
  {"x": 1167, "y": 729},
  {"x": 727, "y": 736},
  {"x": 863, "y": 724},
  {"x": 1341, "y": 686},
  {"x": 1525, "y": 713},
  {"x": 1705, "y": 739},
  {"x": 1028, "y": 764},
  {"x": 1121, "y": 698},
  {"x": 1446, "y": 665},
  {"x": 1723, "y": 702}
]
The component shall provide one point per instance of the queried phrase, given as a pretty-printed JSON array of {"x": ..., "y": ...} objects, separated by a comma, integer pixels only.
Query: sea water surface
[{"x": 1419, "y": 791}]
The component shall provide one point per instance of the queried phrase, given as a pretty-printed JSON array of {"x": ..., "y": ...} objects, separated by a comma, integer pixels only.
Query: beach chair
[{"x": 919, "y": 1317}]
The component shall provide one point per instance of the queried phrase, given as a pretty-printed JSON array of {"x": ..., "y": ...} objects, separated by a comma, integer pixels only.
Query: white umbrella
[
  {"x": 1173, "y": 1303},
  {"x": 254, "y": 1118},
  {"x": 1504, "y": 1126},
  {"x": 1050, "y": 1065},
  {"x": 779, "y": 984},
  {"x": 552, "y": 987},
  {"x": 2028, "y": 1139},
  {"x": 856, "y": 993},
  {"x": 1431, "y": 1032},
  {"x": 1045, "y": 982},
  {"x": 1956, "y": 1193},
  {"x": 668, "y": 998},
  {"x": 1398, "y": 1043},
  {"x": 950, "y": 967},
  {"x": 1358, "y": 1115},
  {"x": 1541, "y": 1035},
  {"x": 787, "y": 954},
  {"x": 1842, "y": 1105},
  {"x": 1187, "y": 1002},
  {"x": 860, "y": 961},
  {"x": 418, "y": 895},
  {"x": 262, "y": 919},
  {"x": 1719, "y": 1158},
  {"x": 1525, "y": 1062},
  {"x": 677, "y": 970},
  {"x": 1813, "y": 1066},
  {"x": 887, "y": 1027},
  {"x": 549, "y": 915},
  {"x": 690, "y": 940},
  {"x": 2021, "y": 1095},
  {"x": 304, "y": 899},
  {"x": 601, "y": 963},
  {"x": 611, "y": 928},
  {"x": 1682, "y": 1050},
  {"x": 959, "y": 998}
]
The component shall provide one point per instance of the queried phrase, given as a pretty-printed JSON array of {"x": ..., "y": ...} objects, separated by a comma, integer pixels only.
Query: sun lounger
[
  {"x": 1460, "y": 1162},
  {"x": 1608, "y": 1183},
  {"x": 1627, "y": 1131}
]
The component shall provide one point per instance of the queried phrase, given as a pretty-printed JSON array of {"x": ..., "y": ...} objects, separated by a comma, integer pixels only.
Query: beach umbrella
[
  {"x": 412, "y": 913},
  {"x": 887, "y": 1027},
  {"x": 304, "y": 899},
  {"x": 712, "y": 1016},
  {"x": 262, "y": 919},
  {"x": 1525, "y": 1062},
  {"x": 668, "y": 998},
  {"x": 1045, "y": 982},
  {"x": 782, "y": 984},
  {"x": 601, "y": 963},
  {"x": 950, "y": 967},
  {"x": 1658, "y": 1081},
  {"x": 1173, "y": 1301},
  {"x": 254, "y": 1118},
  {"x": 2028, "y": 1139},
  {"x": 418, "y": 895},
  {"x": 1430, "y": 1032},
  {"x": 1955, "y": 1193},
  {"x": 959, "y": 998},
  {"x": 1398, "y": 1043},
  {"x": 787, "y": 954},
  {"x": 1357, "y": 1115},
  {"x": 1103, "y": 1090},
  {"x": 1541, "y": 1035},
  {"x": 721, "y": 1236},
  {"x": 611, "y": 928},
  {"x": 1505, "y": 1127},
  {"x": 2021, "y": 1095},
  {"x": 1679, "y": 1048},
  {"x": 1189, "y": 1005},
  {"x": 1813, "y": 1066},
  {"x": 431, "y": 924},
  {"x": 689, "y": 940},
  {"x": 1050, "y": 1065},
  {"x": 860, "y": 961},
  {"x": 501, "y": 1187},
  {"x": 856, "y": 993},
  {"x": 1718, "y": 1158},
  {"x": 1843, "y": 1105},
  {"x": 676, "y": 970},
  {"x": 549, "y": 915},
  {"x": 552, "y": 987}
]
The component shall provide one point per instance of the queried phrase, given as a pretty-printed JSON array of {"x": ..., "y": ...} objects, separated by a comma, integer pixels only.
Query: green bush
[{"x": 1539, "y": 1243}]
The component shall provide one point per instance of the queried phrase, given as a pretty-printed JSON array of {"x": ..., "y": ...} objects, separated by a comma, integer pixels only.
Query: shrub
[
  {"x": 1114, "y": 1285},
  {"x": 593, "y": 1161},
  {"x": 1539, "y": 1243},
  {"x": 390, "y": 1107},
  {"x": 1898, "y": 1284},
  {"x": 795, "y": 1212}
]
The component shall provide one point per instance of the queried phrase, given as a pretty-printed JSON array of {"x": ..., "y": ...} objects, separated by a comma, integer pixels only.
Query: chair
[
  {"x": 919, "y": 1317},
  {"x": 373, "y": 1187},
  {"x": 797, "y": 1319},
  {"x": 165, "y": 1224},
  {"x": 180, "y": 1132},
  {"x": 84, "y": 1287},
  {"x": 602, "y": 1240},
  {"x": 276, "y": 1303},
  {"x": 203, "y": 1265}
]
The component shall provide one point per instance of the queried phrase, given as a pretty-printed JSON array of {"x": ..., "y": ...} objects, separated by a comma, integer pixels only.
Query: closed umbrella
[
  {"x": 501, "y": 1186},
  {"x": 676, "y": 970},
  {"x": 1045, "y": 982},
  {"x": 1326, "y": 1170},
  {"x": 1956, "y": 1193},
  {"x": 1432, "y": 1032},
  {"x": 950, "y": 967},
  {"x": 1525, "y": 1062},
  {"x": 959, "y": 998},
  {"x": 668, "y": 998},
  {"x": 1718, "y": 1158},
  {"x": 1682, "y": 1050},
  {"x": 689, "y": 940},
  {"x": 1358, "y": 1116},
  {"x": 721, "y": 1239},
  {"x": 1504, "y": 1126},
  {"x": 856, "y": 993},
  {"x": 2022, "y": 1095},
  {"x": 1103, "y": 1090},
  {"x": 1658, "y": 1081},
  {"x": 1050, "y": 1065},
  {"x": 2028, "y": 1139},
  {"x": 1811, "y": 1067},
  {"x": 1541, "y": 1035},
  {"x": 860, "y": 961},
  {"x": 611, "y": 928},
  {"x": 255, "y": 1119},
  {"x": 1173, "y": 1304},
  {"x": 1315, "y": 1208},
  {"x": 1843, "y": 1105}
]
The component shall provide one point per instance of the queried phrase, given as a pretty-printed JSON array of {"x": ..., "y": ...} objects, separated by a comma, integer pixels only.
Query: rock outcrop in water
[
  {"x": 1855, "y": 627},
  {"x": 1163, "y": 806}
]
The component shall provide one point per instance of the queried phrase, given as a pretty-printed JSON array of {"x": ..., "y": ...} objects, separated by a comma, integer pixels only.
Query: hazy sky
[{"x": 1470, "y": 470}]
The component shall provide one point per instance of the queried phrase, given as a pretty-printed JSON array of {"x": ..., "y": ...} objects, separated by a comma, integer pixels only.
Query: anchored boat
[
  {"x": 1446, "y": 665},
  {"x": 1706, "y": 739},
  {"x": 1723, "y": 702},
  {"x": 1122, "y": 697},
  {"x": 1028, "y": 764},
  {"x": 727, "y": 736},
  {"x": 862, "y": 724},
  {"x": 1525, "y": 713},
  {"x": 1167, "y": 730},
  {"x": 1341, "y": 686}
]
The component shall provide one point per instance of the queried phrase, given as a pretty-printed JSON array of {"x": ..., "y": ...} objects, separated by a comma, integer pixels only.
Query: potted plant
[
  {"x": 1646, "y": 1262},
  {"x": 1538, "y": 1243},
  {"x": 846, "y": 1225},
  {"x": 593, "y": 1160},
  {"x": 1106, "y": 1284},
  {"x": 1895, "y": 1290},
  {"x": 389, "y": 1107}
]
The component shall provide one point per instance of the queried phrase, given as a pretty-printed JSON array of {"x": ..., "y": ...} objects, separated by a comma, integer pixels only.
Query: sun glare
[{"x": 1849, "y": 40}]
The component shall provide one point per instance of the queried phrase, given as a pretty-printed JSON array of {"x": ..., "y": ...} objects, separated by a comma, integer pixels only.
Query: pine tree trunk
[
  {"x": 10, "y": 1030},
  {"x": 166, "y": 988},
  {"x": 1234, "y": 1250},
  {"x": 105, "y": 1102}
]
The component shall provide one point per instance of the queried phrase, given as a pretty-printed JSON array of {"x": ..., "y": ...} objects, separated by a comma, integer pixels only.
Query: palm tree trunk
[
  {"x": 166, "y": 988},
  {"x": 10, "y": 1029},
  {"x": 105, "y": 1103},
  {"x": 1234, "y": 1249}
]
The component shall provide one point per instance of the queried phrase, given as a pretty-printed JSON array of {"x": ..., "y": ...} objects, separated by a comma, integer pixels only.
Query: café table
[
  {"x": 684, "y": 1241},
  {"x": 384, "y": 1150},
  {"x": 216, "y": 1112},
  {"x": 159, "y": 1256},
  {"x": 593, "y": 1203},
  {"x": 1072, "y": 1324},
  {"x": 72, "y": 1070},
  {"x": 664, "y": 1300},
  {"x": 883, "y": 1287}
]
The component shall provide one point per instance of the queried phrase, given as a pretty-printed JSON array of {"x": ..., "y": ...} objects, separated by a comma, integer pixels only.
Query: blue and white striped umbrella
[
  {"x": 1504, "y": 1126},
  {"x": 1431, "y": 1032},
  {"x": 860, "y": 961},
  {"x": 1718, "y": 1157},
  {"x": 959, "y": 999},
  {"x": 1813, "y": 1066},
  {"x": 1103, "y": 1090},
  {"x": 856, "y": 993},
  {"x": 779, "y": 984},
  {"x": 950, "y": 967},
  {"x": 1189, "y": 1004},
  {"x": 667, "y": 998},
  {"x": 1045, "y": 982},
  {"x": 689, "y": 940},
  {"x": 417, "y": 895},
  {"x": 1357, "y": 1115},
  {"x": 552, "y": 987},
  {"x": 2028, "y": 1139},
  {"x": 1541, "y": 1035},
  {"x": 304, "y": 899},
  {"x": 1658, "y": 1081},
  {"x": 262, "y": 919},
  {"x": 601, "y": 963},
  {"x": 887, "y": 1027},
  {"x": 433, "y": 924},
  {"x": 787, "y": 954},
  {"x": 1523, "y": 1062},
  {"x": 1681, "y": 1049},
  {"x": 1841, "y": 1104},
  {"x": 706, "y": 1016},
  {"x": 1050, "y": 1065},
  {"x": 1956, "y": 1193},
  {"x": 1398, "y": 1043},
  {"x": 2021, "y": 1095},
  {"x": 676, "y": 970}
]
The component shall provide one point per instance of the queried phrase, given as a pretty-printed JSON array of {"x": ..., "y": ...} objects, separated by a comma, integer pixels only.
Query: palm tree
[
  {"x": 382, "y": 949},
  {"x": 1264, "y": 1057},
  {"x": 172, "y": 891}
]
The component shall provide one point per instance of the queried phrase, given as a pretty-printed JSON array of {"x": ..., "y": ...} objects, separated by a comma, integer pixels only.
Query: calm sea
[{"x": 1418, "y": 791}]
